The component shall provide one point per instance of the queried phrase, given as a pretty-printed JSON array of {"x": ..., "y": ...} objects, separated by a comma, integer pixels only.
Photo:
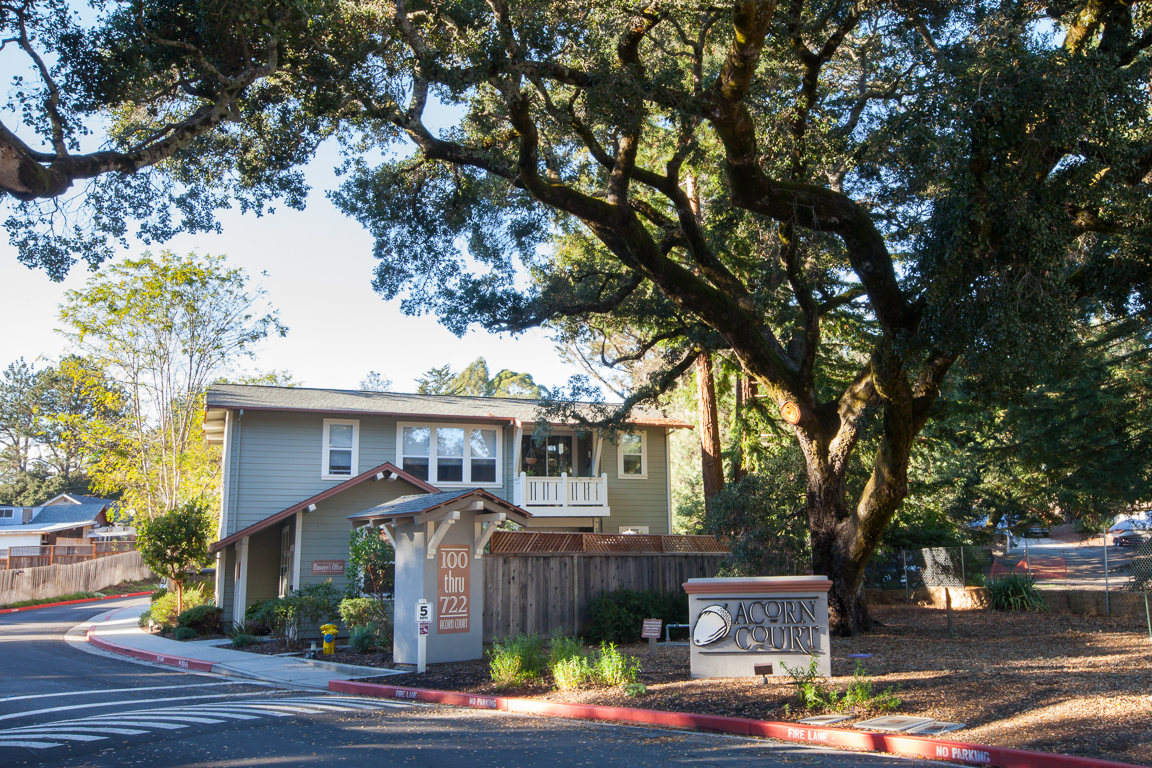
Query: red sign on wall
[
  {"x": 454, "y": 589},
  {"x": 327, "y": 567}
]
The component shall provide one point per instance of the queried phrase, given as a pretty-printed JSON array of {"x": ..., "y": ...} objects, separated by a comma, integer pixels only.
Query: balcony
[{"x": 562, "y": 496}]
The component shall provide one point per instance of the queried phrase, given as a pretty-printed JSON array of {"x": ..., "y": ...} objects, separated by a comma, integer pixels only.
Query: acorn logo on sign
[{"x": 713, "y": 623}]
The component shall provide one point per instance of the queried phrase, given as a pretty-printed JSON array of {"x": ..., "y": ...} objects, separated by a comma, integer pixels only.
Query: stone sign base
[{"x": 752, "y": 627}]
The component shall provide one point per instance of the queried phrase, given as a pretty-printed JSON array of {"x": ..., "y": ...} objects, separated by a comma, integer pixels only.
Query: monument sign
[{"x": 746, "y": 627}]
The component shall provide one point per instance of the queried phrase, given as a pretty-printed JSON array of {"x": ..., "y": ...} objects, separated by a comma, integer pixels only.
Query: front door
[{"x": 287, "y": 557}]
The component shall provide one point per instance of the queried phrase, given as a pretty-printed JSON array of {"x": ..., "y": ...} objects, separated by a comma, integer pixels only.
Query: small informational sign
[
  {"x": 327, "y": 567},
  {"x": 652, "y": 628},
  {"x": 424, "y": 627},
  {"x": 423, "y": 612},
  {"x": 454, "y": 587}
]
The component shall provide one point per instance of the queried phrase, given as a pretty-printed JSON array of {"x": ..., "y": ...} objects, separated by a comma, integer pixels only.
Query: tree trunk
[
  {"x": 712, "y": 467},
  {"x": 738, "y": 470},
  {"x": 179, "y": 595}
]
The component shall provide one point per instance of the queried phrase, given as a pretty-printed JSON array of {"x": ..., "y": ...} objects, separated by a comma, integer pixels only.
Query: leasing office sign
[{"x": 753, "y": 626}]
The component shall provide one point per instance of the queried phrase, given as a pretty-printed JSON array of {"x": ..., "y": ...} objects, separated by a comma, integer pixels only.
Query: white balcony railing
[{"x": 562, "y": 496}]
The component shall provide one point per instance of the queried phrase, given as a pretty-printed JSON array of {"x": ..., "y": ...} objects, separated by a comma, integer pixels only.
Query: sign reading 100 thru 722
[{"x": 454, "y": 589}]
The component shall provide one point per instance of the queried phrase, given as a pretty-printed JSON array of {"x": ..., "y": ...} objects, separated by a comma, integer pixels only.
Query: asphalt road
[{"x": 61, "y": 706}]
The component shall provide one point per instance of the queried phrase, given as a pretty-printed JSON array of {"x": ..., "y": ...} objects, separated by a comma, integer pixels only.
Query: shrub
[
  {"x": 614, "y": 668},
  {"x": 202, "y": 619},
  {"x": 860, "y": 694},
  {"x": 243, "y": 640},
  {"x": 516, "y": 660},
  {"x": 313, "y": 604},
  {"x": 184, "y": 633},
  {"x": 368, "y": 612},
  {"x": 256, "y": 628},
  {"x": 363, "y": 638},
  {"x": 159, "y": 594},
  {"x": 562, "y": 648},
  {"x": 571, "y": 672},
  {"x": 163, "y": 611},
  {"x": 618, "y": 617},
  {"x": 812, "y": 693},
  {"x": 1016, "y": 592}
]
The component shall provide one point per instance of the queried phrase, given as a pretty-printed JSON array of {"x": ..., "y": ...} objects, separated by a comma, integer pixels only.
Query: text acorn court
[{"x": 783, "y": 625}]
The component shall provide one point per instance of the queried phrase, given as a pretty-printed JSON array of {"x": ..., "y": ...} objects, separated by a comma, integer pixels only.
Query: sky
[{"x": 319, "y": 267}]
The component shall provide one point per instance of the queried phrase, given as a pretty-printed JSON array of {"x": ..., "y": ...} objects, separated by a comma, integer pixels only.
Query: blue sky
[{"x": 319, "y": 267}]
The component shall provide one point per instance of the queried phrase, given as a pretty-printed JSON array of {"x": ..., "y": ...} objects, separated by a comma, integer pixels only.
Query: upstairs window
[
  {"x": 341, "y": 448},
  {"x": 633, "y": 456},
  {"x": 451, "y": 455}
]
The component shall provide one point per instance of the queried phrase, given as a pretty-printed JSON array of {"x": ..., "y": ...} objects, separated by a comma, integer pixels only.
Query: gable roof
[
  {"x": 425, "y": 503},
  {"x": 506, "y": 409},
  {"x": 387, "y": 468},
  {"x": 59, "y": 517},
  {"x": 75, "y": 498}
]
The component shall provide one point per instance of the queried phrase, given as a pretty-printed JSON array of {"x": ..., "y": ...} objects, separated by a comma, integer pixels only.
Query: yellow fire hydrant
[{"x": 329, "y": 632}]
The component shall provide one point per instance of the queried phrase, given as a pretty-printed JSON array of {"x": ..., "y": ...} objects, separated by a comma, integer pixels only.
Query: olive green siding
[
  {"x": 636, "y": 501},
  {"x": 326, "y": 531}
]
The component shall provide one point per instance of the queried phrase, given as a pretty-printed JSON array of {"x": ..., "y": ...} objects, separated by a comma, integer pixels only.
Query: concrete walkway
[{"x": 118, "y": 632}]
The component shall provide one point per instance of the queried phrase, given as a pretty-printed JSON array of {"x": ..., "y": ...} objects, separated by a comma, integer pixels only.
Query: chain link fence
[{"x": 1089, "y": 577}]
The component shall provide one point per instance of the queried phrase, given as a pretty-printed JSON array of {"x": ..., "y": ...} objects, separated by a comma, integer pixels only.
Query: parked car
[{"x": 1131, "y": 538}]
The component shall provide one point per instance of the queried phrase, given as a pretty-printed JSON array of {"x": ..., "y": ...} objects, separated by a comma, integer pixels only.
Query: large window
[
  {"x": 450, "y": 455},
  {"x": 5, "y": 513},
  {"x": 633, "y": 456},
  {"x": 341, "y": 448}
]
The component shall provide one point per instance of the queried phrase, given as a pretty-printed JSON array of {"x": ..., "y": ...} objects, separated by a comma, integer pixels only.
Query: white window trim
[
  {"x": 643, "y": 433},
  {"x": 499, "y": 482},
  {"x": 355, "y": 469}
]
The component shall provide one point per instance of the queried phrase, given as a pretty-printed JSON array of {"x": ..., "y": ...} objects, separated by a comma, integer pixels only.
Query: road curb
[
  {"x": 173, "y": 661},
  {"x": 908, "y": 746},
  {"x": 72, "y": 602}
]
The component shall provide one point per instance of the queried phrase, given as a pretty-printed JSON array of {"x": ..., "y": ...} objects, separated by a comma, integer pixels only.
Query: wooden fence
[
  {"x": 543, "y": 592},
  {"x": 54, "y": 580},
  {"x": 70, "y": 554}
]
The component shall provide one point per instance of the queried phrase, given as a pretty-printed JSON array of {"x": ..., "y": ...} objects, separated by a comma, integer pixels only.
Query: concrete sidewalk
[{"x": 118, "y": 632}]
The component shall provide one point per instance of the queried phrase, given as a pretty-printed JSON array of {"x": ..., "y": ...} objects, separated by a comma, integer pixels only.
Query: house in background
[
  {"x": 64, "y": 519},
  {"x": 298, "y": 462}
]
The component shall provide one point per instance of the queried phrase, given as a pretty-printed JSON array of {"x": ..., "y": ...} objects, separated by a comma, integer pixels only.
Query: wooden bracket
[
  {"x": 486, "y": 525},
  {"x": 436, "y": 533}
]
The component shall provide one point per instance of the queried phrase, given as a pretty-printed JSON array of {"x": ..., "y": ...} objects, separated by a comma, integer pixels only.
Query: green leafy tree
[
  {"x": 376, "y": 382},
  {"x": 474, "y": 381},
  {"x": 851, "y": 199},
  {"x": 174, "y": 542},
  {"x": 163, "y": 328}
]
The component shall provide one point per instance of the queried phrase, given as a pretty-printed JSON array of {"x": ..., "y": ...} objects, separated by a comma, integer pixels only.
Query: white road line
[
  {"x": 7, "y": 699},
  {"x": 132, "y": 703},
  {"x": 159, "y": 714},
  {"x": 55, "y": 727},
  {"x": 222, "y": 713},
  {"x": 296, "y": 710},
  {"x": 138, "y": 722},
  {"x": 67, "y": 736},
  {"x": 30, "y": 744}
]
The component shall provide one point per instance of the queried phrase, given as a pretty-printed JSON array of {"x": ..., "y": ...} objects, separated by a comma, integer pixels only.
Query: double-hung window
[
  {"x": 450, "y": 454},
  {"x": 5, "y": 513},
  {"x": 341, "y": 446},
  {"x": 633, "y": 456}
]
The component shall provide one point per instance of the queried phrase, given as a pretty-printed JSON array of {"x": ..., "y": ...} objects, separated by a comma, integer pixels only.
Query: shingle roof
[
  {"x": 252, "y": 397},
  {"x": 67, "y": 513},
  {"x": 426, "y": 502}
]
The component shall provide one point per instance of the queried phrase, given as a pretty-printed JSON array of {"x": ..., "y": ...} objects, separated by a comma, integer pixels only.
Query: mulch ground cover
[{"x": 1052, "y": 682}]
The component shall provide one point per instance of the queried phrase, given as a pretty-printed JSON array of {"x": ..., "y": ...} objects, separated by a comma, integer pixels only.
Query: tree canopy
[{"x": 849, "y": 198}]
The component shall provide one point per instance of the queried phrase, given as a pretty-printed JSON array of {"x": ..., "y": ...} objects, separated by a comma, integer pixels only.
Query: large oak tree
[{"x": 851, "y": 198}]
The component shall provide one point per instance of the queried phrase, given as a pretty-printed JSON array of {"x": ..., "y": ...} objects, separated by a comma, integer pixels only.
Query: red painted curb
[
  {"x": 909, "y": 746},
  {"x": 73, "y": 602},
  {"x": 174, "y": 661}
]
